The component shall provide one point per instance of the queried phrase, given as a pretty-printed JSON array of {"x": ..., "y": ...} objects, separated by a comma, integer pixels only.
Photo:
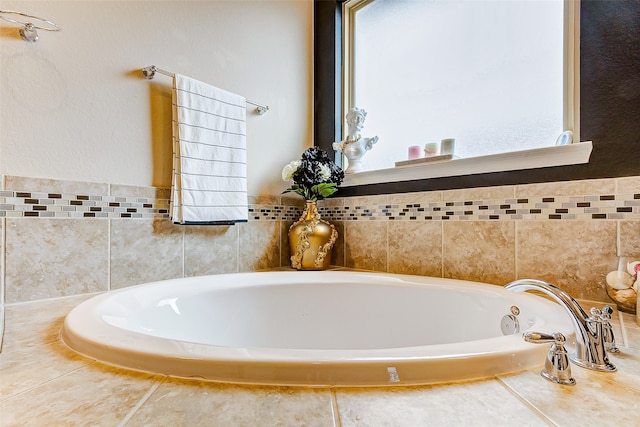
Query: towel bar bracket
[{"x": 149, "y": 72}]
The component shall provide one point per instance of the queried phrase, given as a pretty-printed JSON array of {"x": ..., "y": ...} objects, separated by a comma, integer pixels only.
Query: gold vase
[{"x": 311, "y": 240}]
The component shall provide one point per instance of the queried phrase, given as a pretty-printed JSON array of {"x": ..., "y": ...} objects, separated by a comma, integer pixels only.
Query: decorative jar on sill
[{"x": 315, "y": 177}]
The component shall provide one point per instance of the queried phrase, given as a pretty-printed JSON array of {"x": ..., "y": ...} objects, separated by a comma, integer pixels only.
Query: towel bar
[
  {"x": 150, "y": 72},
  {"x": 29, "y": 32}
]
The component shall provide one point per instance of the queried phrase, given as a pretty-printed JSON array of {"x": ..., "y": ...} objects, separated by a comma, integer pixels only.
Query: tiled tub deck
[{"x": 42, "y": 383}]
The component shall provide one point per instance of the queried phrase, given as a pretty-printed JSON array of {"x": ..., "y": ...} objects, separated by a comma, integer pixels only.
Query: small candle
[
  {"x": 414, "y": 152},
  {"x": 431, "y": 149},
  {"x": 447, "y": 146}
]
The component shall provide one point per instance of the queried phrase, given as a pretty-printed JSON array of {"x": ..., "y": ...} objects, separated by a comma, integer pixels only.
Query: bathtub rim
[{"x": 306, "y": 367}]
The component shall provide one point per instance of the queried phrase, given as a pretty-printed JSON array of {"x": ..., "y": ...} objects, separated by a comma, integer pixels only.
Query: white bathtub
[{"x": 314, "y": 328}]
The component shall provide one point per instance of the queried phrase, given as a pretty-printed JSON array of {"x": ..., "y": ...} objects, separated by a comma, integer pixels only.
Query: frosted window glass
[{"x": 488, "y": 73}]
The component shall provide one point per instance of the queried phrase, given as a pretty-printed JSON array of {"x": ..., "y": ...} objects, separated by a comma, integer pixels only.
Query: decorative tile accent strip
[
  {"x": 616, "y": 207},
  {"x": 274, "y": 213},
  {"x": 24, "y": 204},
  {"x": 54, "y": 205},
  {"x": 16, "y": 204}
]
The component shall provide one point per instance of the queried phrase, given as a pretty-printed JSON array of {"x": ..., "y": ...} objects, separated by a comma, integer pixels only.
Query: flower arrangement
[{"x": 315, "y": 176}]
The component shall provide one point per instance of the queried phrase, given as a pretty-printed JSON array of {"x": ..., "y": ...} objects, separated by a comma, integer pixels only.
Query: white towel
[{"x": 209, "y": 183}]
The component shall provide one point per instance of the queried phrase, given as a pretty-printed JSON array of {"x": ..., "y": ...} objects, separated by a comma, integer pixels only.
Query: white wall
[{"x": 74, "y": 105}]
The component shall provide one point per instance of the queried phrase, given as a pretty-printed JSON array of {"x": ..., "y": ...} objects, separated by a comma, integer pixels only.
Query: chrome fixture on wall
[
  {"x": 29, "y": 32},
  {"x": 150, "y": 72}
]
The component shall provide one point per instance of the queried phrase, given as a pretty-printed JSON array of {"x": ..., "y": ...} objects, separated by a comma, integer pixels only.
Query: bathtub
[{"x": 324, "y": 328}]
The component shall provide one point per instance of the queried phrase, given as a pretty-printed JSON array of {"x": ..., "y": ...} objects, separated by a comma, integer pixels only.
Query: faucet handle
[
  {"x": 539, "y": 337},
  {"x": 556, "y": 366},
  {"x": 607, "y": 311},
  {"x": 607, "y": 329}
]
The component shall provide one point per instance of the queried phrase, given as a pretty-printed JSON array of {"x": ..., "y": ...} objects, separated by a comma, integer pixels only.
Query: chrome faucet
[{"x": 591, "y": 351}]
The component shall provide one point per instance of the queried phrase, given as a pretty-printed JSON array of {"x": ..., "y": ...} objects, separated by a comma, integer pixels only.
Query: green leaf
[{"x": 324, "y": 190}]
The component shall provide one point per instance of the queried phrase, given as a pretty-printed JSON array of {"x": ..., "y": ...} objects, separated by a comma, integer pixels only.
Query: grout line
[
  {"x": 50, "y": 380},
  {"x": 618, "y": 238},
  {"x": 387, "y": 246},
  {"x": 109, "y": 222},
  {"x": 334, "y": 408},
  {"x": 528, "y": 404},
  {"x": 141, "y": 402},
  {"x": 516, "y": 255},
  {"x": 280, "y": 242},
  {"x": 441, "y": 248}
]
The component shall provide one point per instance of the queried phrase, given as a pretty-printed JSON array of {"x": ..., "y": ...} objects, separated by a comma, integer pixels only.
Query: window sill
[{"x": 561, "y": 155}]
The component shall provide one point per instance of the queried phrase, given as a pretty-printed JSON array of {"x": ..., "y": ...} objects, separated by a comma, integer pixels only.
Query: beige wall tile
[
  {"x": 264, "y": 200},
  {"x": 210, "y": 250},
  {"x": 259, "y": 245},
  {"x": 48, "y": 258},
  {"x": 628, "y": 185},
  {"x": 138, "y": 191},
  {"x": 291, "y": 199},
  {"x": 481, "y": 193},
  {"x": 369, "y": 201},
  {"x": 481, "y": 251},
  {"x": 44, "y": 185},
  {"x": 630, "y": 238},
  {"x": 422, "y": 198},
  {"x": 366, "y": 245},
  {"x": 334, "y": 201},
  {"x": 574, "y": 255},
  {"x": 192, "y": 403},
  {"x": 415, "y": 248},
  {"x": 145, "y": 251},
  {"x": 567, "y": 188}
]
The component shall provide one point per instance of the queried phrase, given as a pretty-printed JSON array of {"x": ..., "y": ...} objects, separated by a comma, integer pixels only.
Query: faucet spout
[{"x": 590, "y": 343}]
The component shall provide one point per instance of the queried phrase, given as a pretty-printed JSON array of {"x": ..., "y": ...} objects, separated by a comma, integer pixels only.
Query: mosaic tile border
[
  {"x": 613, "y": 207},
  {"x": 22, "y": 204},
  {"x": 25, "y": 204}
]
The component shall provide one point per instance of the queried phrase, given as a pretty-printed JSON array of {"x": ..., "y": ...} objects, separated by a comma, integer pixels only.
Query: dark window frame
[{"x": 609, "y": 100}]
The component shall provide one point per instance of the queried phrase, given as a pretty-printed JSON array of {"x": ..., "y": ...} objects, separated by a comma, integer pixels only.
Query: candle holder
[{"x": 622, "y": 284}]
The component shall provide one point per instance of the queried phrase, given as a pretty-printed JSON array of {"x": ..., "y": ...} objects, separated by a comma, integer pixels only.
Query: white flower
[
  {"x": 325, "y": 172},
  {"x": 288, "y": 170}
]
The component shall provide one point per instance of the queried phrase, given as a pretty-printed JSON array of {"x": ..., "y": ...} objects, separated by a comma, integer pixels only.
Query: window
[{"x": 498, "y": 76}]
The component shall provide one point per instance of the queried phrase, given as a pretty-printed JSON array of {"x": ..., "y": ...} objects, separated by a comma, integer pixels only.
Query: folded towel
[{"x": 209, "y": 183}]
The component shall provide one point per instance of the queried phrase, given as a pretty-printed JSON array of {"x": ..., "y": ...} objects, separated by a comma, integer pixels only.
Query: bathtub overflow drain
[{"x": 509, "y": 325}]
